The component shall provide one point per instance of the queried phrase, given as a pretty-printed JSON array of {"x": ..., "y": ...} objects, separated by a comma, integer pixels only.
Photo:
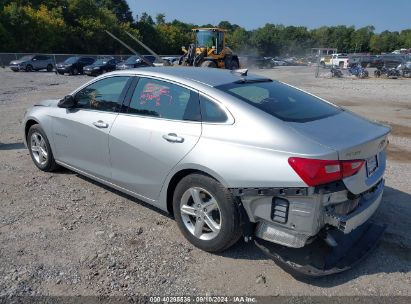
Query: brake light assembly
[{"x": 316, "y": 171}]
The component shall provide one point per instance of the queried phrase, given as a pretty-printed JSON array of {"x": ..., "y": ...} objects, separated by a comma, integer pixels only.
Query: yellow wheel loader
[{"x": 209, "y": 51}]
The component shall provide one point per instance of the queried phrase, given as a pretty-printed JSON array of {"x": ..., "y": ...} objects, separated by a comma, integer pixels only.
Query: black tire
[
  {"x": 49, "y": 68},
  {"x": 208, "y": 64},
  {"x": 230, "y": 230},
  {"x": 29, "y": 68},
  {"x": 233, "y": 65},
  {"x": 50, "y": 164},
  {"x": 74, "y": 71}
]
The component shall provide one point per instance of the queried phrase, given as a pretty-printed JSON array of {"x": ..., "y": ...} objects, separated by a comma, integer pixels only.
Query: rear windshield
[{"x": 281, "y": 100}]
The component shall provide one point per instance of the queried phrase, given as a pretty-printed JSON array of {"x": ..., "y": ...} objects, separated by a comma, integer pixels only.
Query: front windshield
[
  {"x": 28, "y": 57},
  {"x": 206, "y": 39},
  {"x": 132, "y": 59},
  {"x": 71, "y": 60}
]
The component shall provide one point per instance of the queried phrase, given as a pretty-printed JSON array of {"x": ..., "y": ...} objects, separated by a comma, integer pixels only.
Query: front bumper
[
  {"x": 16, "y": 67},
  {"x": 92, "y": 72},
  {"x": 63, "y": 70}
]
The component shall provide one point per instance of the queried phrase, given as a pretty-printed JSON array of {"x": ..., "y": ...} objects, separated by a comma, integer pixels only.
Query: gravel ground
[{"x": 63, "y": 234}]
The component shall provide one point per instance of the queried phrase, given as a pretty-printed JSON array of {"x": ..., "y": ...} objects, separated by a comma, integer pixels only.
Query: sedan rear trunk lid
[{"x": 353, "y": 137}]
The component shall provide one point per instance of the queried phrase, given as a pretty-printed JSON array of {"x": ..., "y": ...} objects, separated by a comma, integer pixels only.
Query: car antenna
[{"x": 242, "y": 72}]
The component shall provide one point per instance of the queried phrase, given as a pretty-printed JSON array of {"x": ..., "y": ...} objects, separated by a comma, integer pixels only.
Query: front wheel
[
  {"x": 49, "y": 68},
  {"x": 206, "y": 213},
  {"x": 40, "y": 150}
]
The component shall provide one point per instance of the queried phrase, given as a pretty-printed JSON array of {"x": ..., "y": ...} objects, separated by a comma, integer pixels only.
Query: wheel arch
[
  {"x": 178, "y": 176},
  {"x": 30, "y": 122}
]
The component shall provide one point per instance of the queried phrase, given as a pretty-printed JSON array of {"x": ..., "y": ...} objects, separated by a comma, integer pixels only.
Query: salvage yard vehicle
[
  {"x": 336, "y": 72},
  {"x": 31, "y": 63},
  {"x": 74, "y": 65},
  {"x": 101, "y": 66},
  {"x": 134, "y": 62},
  {"x": 209, "y": 50},
  {"x": 229, "y": 154},
  {"x": 405, "y": 69},
  {"x": 340, "y": 60},
  {"x": 387, "y": 72},
  {"x": 358, "y": 71}
]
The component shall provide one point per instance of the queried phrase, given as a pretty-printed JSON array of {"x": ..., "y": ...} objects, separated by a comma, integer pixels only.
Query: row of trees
[{"x": 78, "y": 26}]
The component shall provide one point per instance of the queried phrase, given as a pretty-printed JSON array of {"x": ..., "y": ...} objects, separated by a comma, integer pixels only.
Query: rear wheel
[
  {"x": 208, "y": 64},
  {"x": 40, "y": 150},
  {"x": 49, "y": 68},
  {"x": 206, "y": 213}
]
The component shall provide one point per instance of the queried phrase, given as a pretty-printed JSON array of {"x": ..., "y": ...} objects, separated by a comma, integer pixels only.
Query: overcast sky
[{"x": 393, "y": 15}]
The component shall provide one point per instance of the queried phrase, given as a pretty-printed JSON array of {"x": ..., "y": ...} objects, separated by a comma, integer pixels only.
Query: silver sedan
[{"x": 228, "y": 154}]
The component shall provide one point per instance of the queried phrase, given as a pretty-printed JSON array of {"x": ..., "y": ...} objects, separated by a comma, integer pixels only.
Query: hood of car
[
  {"x": 17, "y": 61},
  {"x": 91, "y": 66},
  {"x": 47, "y": 103},
  {"x": 62, "y": 64}
]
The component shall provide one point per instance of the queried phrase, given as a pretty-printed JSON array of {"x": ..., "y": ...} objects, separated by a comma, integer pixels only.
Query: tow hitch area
[{"x": 319, "y": 259}]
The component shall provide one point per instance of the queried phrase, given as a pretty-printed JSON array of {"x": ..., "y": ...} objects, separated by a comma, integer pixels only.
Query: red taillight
[{"x": 316, "y": 171}]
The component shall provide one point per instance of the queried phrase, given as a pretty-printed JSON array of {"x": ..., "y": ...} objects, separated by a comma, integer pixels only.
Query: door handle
[
  {"x": 100, "y": 124},
  {"x": 172, "y": 137}
]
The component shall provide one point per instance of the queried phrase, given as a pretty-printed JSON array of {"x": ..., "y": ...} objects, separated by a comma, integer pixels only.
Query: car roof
[{"x": 207, "y": 76}]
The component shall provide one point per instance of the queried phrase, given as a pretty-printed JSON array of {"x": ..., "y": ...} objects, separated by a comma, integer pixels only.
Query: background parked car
[
  {"x": 171, "y": 59},
  {"x": 32, "y": 63},
  {"x": 252, "y": 61},
  {"x": 279, "y": 62},
  {"x": 101, "y": 66},
  {"x": 74, "y": 65},
  {"x": 134, "y": 62}
]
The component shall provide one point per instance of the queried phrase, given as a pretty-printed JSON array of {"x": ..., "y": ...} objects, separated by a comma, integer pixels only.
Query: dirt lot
[{"x": 62, "y": 234}]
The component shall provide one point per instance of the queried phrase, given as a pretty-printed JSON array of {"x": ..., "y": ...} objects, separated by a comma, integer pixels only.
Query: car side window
[
  {"x": 211, "y": 111},
  {"x": 102, "y": 95},
  {"x": 164, "y": 100}
]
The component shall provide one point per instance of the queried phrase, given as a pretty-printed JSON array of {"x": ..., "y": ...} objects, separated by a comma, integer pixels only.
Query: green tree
[
  {"x": 266, "y": 40},
  {"x": 238, "y": 40},
  {"x": 360, "y": 39},
  {"x": 405, "y": 38},
  {"x": 146, "y": 18},
  {"x": 160, "y": 18}
]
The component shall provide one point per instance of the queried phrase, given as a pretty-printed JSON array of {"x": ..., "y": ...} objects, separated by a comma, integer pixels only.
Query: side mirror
[{"x": 67, "y": 102}]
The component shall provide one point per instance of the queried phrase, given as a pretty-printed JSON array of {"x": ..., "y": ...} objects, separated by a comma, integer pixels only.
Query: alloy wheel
[
  {"x": 200, "y": 213},
  {"x": 39, "y": 148}
]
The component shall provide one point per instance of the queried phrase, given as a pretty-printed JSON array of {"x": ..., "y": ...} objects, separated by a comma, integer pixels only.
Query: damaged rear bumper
[{"x": 318, "y": 259}]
